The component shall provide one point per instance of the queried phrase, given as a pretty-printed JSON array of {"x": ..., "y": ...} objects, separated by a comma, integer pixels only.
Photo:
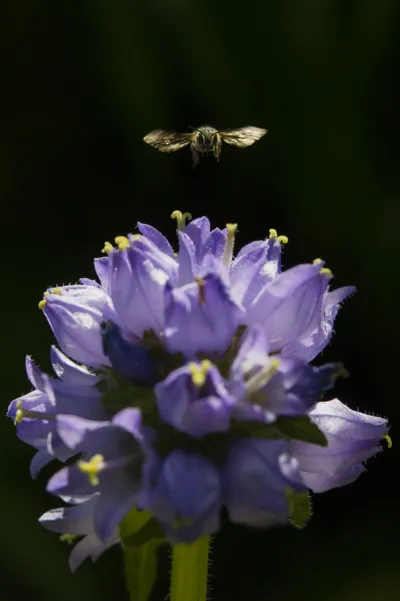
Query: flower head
[{"x": 183, "y": 386}]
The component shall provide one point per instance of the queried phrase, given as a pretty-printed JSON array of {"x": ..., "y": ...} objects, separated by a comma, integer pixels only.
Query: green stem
[{"x": 189, "y": 571}]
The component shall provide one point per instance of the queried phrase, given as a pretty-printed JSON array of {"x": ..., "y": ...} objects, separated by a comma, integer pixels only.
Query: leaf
[
  {"x": 151, "y": 530},
  {"x": 299, "y": 507},
  {"x": 129, "y": 395},
  {"x": 138, "y": 528},
  {"x": 141, "y": 569},
  {"x": 296, "y": 428},
  {"x": 301, "y": 428},
  {"x": 141, "y": 536}
]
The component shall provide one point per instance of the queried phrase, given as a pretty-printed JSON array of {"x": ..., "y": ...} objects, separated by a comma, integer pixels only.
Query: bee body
[{"x": 204, "y": 139}]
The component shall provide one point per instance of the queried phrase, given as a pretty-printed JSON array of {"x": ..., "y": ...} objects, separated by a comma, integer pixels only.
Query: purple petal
[
  {"x": 287, "y": 305},
  {"x": 200, "y": 317},
  {"x": 255, "y": 481},
  {"x": 196, "y": 410},
  {"x": 319, "y": 333},
  {"x": 156, "y": 238},
  {"x": 187, "y": 496}
]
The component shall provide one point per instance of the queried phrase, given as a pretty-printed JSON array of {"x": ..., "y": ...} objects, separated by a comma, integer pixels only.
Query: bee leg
[{"x": 195, "y": 156}]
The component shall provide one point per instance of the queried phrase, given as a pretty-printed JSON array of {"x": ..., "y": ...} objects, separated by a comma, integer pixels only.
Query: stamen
[
  {"x": 56, "y": 291},
  {"x": 122, "y": 242},
  {"x": 92, "y": 468},
  {"x": 316, "y": 261},
  {"x": 274, "y": 234},
  {"x": 326, "y": 271},
  {"x": 388, "y": 440},
  {"x": 42, "y": 303},
  {"x": 108, "y": 247},
  {"x": 181, "y": 219},
  {"x": 202, "y": 294},
  {"x": 21, "y": 413},
  {"x": 229, "y": 245},
  {"x": 262, "y": 377},
  {"x": 199, "y": 372}
]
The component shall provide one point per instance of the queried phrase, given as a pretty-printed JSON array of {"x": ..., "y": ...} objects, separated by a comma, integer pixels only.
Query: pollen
[
  {"x": 122, "y": 242},
  {"x": 108, "y": 247},
  {"x": 68, "y": 538},
  {"x": 181, "y": 219},
  {"x": 316, "y": 261},
  {"x": 274, "y": 234},
  {"x": 92, "y": 468},
  {"x": 42, "y": 303},
  {"x": 202, "y": 294},
  {"x": 19, "y": 415},
  {"x": 199, "y": 372},
  {"x": 56, "y": 291},
  {"x": 326, "y": 271}
]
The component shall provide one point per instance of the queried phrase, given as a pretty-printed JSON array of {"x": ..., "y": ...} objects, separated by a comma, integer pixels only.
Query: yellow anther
[
  {"x": 316, "y": 261},
  {"x": 326, "y": 271},
  {"x": 42, "y": 304},
  {"x": 46, "y": 293},
  {"x": 92, "y": 468},
  {"x": 19, "y": 414},
  {"x": 122, "y": 242},
  {"x": 199, "y": 372},
  {"x": 56, "y": 291},
  {"x": 283, "y": 239},
  {"x": 68, "y": 538},
  {"x": 273, "y": 233},
  {"x": 388, "y": 440},
  {"x": 108, "y": 247},
  {"x": 181, "y": 219}
]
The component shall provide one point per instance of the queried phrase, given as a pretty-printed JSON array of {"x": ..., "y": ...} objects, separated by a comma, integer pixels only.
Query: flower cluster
[{"x": 183, "y": 384}]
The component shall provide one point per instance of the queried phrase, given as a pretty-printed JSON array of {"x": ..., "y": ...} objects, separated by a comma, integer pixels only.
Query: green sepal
[
  {"x": 302, "y": 428},
  {"x": 138, "y": 528},
  {"x": 141, "y": 569},
  {"x": 299, "y": 507},
  {"x": 295, "y": 428},
  {"x": 127, "y": 395},
  {"x": 141, "y": 537}
]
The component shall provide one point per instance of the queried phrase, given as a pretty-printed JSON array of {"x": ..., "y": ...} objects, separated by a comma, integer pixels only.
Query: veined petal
[
  {"x": 200, "y": 317},
  {"x": 286, "y": 306}
]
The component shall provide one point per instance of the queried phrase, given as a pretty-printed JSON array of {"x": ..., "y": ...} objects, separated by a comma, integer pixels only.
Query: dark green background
[{"x": 82, "y": 83}]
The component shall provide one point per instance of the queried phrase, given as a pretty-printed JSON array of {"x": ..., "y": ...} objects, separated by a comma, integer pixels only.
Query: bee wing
[
  {"x": 243, "y": 136},
  {"x": 167, "y": 141}
]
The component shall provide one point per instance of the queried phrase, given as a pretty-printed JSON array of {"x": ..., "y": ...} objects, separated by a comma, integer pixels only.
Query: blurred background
[{"x": 82, "y": 83}]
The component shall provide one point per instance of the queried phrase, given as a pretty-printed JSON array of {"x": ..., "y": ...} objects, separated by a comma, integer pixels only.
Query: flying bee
[{"x": 204, "y": 139}]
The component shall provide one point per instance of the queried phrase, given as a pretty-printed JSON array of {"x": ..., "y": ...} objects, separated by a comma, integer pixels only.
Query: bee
[{"x": 204, "y": 139}]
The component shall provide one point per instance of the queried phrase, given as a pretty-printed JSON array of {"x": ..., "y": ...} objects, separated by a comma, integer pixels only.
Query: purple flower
[
  {"x": 200, "y": 317},
  {"x": 256, "y": 477},
  {"x": 118, "y": 473},
  {"x": 183, "y": 386},
  {"x": 76, "y": 522},
  {"x": 194, "y": 399},
  {"x": 187, "y": 496},
  {"x": 353, "y": 437},
  {"x": 75, "y": 314}
]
